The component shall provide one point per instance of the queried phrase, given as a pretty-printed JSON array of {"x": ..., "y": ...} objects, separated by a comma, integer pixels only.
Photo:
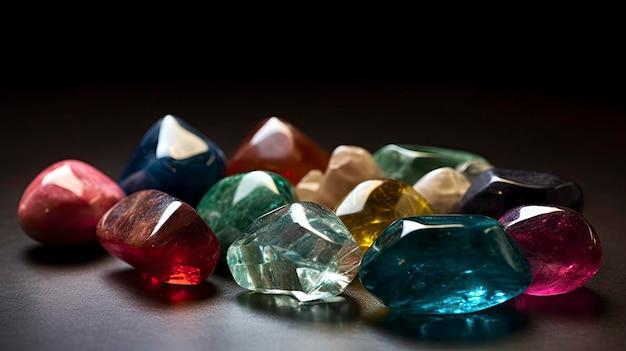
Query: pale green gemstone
[
  {"x": 409, "y": 163},
  {"x": 301, "y": 249}
]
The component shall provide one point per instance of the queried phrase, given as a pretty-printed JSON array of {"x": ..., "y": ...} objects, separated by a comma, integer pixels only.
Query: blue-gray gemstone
[
  {"x": 444, "y": 264},
  {"x": 176, "y": 158}
]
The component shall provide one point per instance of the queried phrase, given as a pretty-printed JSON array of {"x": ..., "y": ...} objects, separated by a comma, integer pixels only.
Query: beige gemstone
[
  {"x": 472, "y": 169},
  {"x": 443, "y": 188},
  {"x": 308, "y": 186},
  {"x": 348, "y": 166}
]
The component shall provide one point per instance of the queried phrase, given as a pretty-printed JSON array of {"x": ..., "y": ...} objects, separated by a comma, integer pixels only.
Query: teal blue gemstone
[
  {"x": 234, "y": 202},
  {"x": 444, "y": 264},
  {"x": 409, "y": 163}
]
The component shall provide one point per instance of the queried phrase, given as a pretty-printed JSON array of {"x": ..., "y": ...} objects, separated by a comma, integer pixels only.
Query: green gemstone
[
  {"x": 302, "y": 249},
  {"x": 409, "y": 163},
  {"x": 234, "y": 202}
]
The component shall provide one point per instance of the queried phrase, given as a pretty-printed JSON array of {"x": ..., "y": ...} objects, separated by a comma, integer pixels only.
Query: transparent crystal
[{"x": 301, "y": 249}]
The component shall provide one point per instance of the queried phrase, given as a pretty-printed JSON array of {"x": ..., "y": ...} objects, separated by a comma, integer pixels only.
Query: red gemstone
[
  {"x": 63, "y": 203},
  {"x": 161, "y": 236},
  {"x": 277, "y": 146},
  {"x": 563, "y": 249}
]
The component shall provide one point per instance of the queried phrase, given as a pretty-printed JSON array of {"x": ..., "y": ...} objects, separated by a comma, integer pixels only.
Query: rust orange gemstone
[
  {"x": 276, "y": 145},
  {"x": 161, "y": 236}
]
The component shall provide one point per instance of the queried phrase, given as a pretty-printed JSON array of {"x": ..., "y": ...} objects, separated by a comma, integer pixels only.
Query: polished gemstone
[
  {"x": 443, "y": 188},
  {"x": 160, "y": 236},
  {"x": 498, "y": 190},
  {"x": 563, "y": 249},
  {"x": 411, "y": 162},
  {"x": 300, "y": 249},
  {"x": 472, "y": 169},
  {"x": 235, "y": 201},
  {"x": 176, "y": 158},
  {"x": 277, "y": 146},
  {"x": 308, "y": 186},
  {"x": 64, "y": 202},
  {"x": 444, "y": 264},
  {"x": 349, "y": 165},
  {"x": 373, "y": 204}
]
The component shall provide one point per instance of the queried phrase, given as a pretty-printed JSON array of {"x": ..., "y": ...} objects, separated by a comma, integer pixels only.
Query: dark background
[{"x": 550, "y": 102}]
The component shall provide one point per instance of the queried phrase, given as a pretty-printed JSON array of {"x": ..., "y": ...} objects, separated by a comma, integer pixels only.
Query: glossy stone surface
[
  {"x": 176, "y": 158},
  {"x": 308, "y": 186},
  {"x": 563, "y": 249},
  {"x": 301, "y": 249},
  {"x": 411, "y": 162},
  {"x": 349, "y": 165},
  {"x": 444, "y": 264},
  {"x": 160, "y": 236},
  {"x": 443, "y": 188},
  {"x": 498, "y": 190},
  {"x": 235, "y": 201},
  {"x": 472, "y": 169},
  {"x": 277, "y": 146},
  {"x": 373, "y": 204},
  {"x": 64, "y": 202}
]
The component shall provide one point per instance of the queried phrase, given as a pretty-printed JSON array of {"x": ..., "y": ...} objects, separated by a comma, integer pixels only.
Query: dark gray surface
[{"x": 86, "y": 299}]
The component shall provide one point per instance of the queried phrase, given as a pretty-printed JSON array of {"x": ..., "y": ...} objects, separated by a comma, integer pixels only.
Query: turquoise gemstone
[
  {"x": 301, "y": 249},
  {"x": 234, "y": 202},
  {"x": 409, "y": 163},
  {"x": 444, "y": 264}
]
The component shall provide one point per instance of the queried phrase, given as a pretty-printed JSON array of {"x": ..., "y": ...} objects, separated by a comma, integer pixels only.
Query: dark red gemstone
[{"x": 161, "y": 236}]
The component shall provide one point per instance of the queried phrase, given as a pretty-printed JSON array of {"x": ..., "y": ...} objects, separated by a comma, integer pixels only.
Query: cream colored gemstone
[
  {"x": 472, "y": 169},
  {"x": 348, "y": 166},
  {"x": 443, "y": 188},
  {"x": 308, "y": 186}
]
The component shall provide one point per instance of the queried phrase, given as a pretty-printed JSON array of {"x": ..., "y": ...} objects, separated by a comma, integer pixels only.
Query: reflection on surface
[
  {"x": 581, "y": 302},
  {"x": 333, "y": 310},
  {"x": 171, "y": 294},
  {"x": 496, "y": 322},
  {"x": 65, "y": 255}
]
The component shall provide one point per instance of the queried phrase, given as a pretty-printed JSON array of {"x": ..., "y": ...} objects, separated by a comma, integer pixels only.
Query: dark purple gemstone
[{"x": 498, "y": 190}]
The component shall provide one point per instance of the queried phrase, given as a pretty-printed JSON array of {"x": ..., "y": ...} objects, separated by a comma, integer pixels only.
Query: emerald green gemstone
[
  {"x": 234, "y": 202},
  {"x": 409, "y": 163},
  {"x": 302, "y": 249}
]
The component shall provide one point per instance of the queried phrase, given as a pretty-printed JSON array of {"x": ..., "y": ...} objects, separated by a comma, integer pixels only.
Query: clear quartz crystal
[{"x": 301, "y": 249}]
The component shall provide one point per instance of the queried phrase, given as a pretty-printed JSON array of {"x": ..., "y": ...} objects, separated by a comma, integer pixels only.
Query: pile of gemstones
[{"x": 427, "y": 230}]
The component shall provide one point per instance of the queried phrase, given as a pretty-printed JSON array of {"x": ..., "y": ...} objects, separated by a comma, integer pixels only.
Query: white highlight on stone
[
  {"x": 177, "y": 142},
  {"x": 65, "y": 178}
]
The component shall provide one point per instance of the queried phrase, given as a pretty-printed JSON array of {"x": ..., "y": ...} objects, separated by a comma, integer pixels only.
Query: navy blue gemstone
[
  {"x": 444, "y": 264},
  {"x": 176, "y": 158},
  {"x": 498, "y": 190}
]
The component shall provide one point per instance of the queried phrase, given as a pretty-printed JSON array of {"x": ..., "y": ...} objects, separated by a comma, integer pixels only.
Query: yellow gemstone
[{"x": 374, "y": 204}]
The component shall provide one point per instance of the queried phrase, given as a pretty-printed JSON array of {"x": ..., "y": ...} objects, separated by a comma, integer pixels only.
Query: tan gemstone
[
  {"x": 374, "y": 204},
  {"x": 443, "y": 188},
  {"x": 348, "y": 166},
  {"x": 472, "y": 169},
  {"x": 308, "y": 186}
]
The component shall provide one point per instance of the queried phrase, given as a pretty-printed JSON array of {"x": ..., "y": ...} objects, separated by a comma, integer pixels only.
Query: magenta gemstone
[
  {"x": 160, "y": 236},
  {"x": 63, "y": 203},
  {"x": 563, "y": 249}
]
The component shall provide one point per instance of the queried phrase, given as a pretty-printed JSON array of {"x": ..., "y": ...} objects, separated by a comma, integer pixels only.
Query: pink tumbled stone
[
  {"x": 63, "y": 203},
  {"x": 563, "y": 249}
]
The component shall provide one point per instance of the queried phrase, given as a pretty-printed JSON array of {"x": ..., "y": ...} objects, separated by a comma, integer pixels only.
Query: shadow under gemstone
[
  {"x": 143, "y": 286},
  {"x": 65, "y": 254},
  {"x": 494, "y": 323},
  {"x": 582, "y": 302},
  {"x": 334, "y": 310}
]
